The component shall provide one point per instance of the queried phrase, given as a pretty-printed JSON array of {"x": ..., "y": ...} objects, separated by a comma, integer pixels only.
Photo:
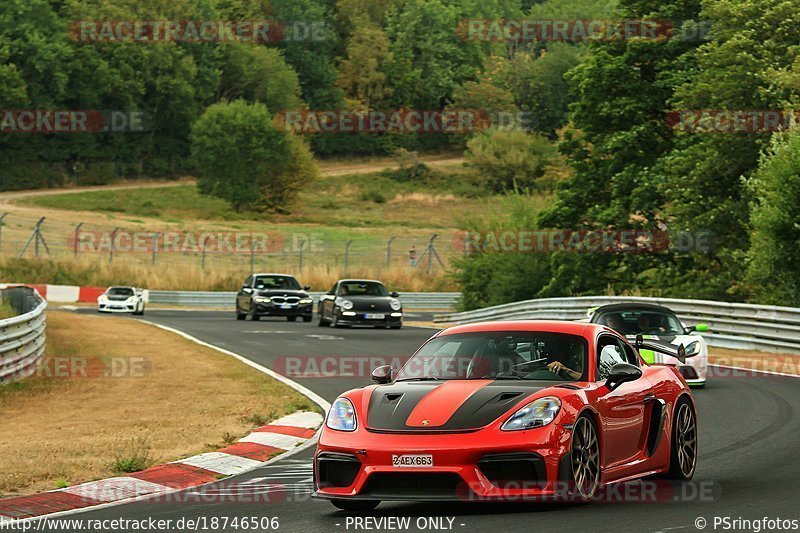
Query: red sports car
[{"x": 506, "y": 411}]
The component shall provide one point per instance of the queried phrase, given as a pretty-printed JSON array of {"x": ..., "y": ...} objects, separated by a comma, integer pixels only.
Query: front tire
[
  {"x": 356, "y": 506},
  {"x": 683, "y": 448},
  {"x": 585, "y": 459},
  {"x": 254, "y": 316},
  {"x": 291, "y": 318}
]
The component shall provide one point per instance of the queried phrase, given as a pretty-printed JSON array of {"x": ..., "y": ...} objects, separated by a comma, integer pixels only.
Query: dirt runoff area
[{"x": 114, "y": 396}]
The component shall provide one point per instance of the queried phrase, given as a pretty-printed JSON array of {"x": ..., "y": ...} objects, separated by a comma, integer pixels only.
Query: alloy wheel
[{"x": 585, "y": 458}]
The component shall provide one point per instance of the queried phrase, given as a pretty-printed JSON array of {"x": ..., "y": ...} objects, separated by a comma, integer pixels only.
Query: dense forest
[{"x": 604, "y": 107}]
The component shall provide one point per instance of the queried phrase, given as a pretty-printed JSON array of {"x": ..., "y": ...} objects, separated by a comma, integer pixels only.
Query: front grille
[
  {"x": 390, "y": 484},
  {"x": 513, "y": 470},
  {"x": 337, "y": 469},
  {"x": 285, "y": 300}
]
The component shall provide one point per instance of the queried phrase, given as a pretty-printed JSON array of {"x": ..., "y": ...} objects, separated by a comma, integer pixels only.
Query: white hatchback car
[{"x": 121, "y": 300}]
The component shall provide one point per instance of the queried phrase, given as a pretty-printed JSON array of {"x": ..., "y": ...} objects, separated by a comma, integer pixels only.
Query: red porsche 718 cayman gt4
[{"x": 509, "y": 411}]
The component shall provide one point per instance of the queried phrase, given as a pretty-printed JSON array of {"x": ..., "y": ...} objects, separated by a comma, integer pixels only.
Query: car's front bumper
[
  {"x": 269, "y": 309},
  {"x": 116, "y": 308},
  {"x": 465, "y": 465},
  {"x": 369, "y": 318}
]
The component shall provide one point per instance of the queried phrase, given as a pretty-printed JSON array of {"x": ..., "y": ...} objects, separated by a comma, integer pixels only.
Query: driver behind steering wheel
[{"x": 568, "y": 365}]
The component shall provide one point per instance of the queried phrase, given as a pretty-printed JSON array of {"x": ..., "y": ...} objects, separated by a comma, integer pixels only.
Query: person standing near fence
[{"x": 412, "y": 256}]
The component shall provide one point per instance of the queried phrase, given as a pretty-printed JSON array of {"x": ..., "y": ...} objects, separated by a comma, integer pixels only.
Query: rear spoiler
[{"x": 678, "y": 352}]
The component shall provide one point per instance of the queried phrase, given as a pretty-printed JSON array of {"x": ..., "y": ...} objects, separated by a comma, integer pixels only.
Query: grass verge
[
  {"x": 187, "y": 276},
  {"x": 115, "y": 396}
]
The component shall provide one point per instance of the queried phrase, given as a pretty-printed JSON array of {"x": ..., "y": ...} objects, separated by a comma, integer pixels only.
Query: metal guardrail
[
  {"x": 22, "y": 337},
  {"x": 227, "y": 300},
  {"x": 732, "y": 325}
]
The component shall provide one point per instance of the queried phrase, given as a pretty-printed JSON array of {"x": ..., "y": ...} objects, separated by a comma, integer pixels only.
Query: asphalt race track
[{"x": 748, "y": 465}]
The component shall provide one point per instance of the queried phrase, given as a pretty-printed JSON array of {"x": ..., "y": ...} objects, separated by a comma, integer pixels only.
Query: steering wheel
[{"x": 526, "y": 363}]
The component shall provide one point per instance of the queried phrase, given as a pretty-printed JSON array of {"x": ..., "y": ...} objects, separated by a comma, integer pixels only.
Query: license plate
[
  {"x": 374, "y": 316},
  {"x": 286, "y": 306},
  {"x": 412, "y": 461}
]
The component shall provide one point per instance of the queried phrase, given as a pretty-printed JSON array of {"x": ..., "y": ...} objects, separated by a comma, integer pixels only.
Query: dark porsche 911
[
  {"x": 360, "y": 302},
  {"x": 273, "y": 295}
]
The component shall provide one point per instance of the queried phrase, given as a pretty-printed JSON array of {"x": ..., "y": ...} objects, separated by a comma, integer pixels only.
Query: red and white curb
[
  {"x": 64, "y": 293},
  {"x": 251, "y": 452}
]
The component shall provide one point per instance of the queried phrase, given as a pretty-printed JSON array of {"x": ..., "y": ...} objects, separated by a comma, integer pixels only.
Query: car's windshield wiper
[
  {"x": 425, "y": 378},
  {"x": 507, "y": 377}
]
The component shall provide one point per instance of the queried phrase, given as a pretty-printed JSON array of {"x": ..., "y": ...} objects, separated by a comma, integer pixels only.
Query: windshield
[
  {"x": 362, "y": 288},
  {"x": 276, "y": 283},
  {"x": 500, "y": 355},
  {"x": 635, "y": 322},
  {"x": 119, "y": 291}
]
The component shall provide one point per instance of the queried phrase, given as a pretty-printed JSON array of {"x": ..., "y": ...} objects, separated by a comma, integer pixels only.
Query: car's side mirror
[
  {"x": 622, "y": 373},
  {"x": 700, "y": 328},
  {"x": 394, "y": 295},
  {"x": 306, "y": 287},
  {"x": 329, "y": 293},
  {"x": 245, "y": 288},
  {"x": 382, "y": 375}
]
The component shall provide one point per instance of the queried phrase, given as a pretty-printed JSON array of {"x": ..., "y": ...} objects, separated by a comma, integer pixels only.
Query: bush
[
  {"x": 773, "y": 275},
  {"x": 241, "y": 157},
  {"x": 510, "y": 160}
]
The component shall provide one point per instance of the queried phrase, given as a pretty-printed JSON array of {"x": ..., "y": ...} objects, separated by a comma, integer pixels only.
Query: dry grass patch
[{"x": 177, "y": 399}]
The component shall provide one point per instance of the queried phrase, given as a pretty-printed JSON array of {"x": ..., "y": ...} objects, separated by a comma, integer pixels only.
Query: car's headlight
[
  {"x": 262, "y": 299},
  {"x": 344, "y": 304},
  {"x": 306, "y": 301},
  {"x": 102, "y": 299},
  {"x": 534, "y": 415},
  {"x": 693, "y": 349},
  {"x": 396, "y": 305},
  {"x": 342, "y": 416}
]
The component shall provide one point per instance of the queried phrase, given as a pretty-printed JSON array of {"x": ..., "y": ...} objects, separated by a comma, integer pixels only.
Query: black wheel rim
[
  {"x": 686, "y": 440},
  {"x": 585, "y": 458}
]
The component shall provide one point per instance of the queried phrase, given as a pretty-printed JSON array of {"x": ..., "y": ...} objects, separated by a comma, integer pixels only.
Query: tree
[
  {"x": 362, "y": 73},
  {"x": 242, "y": 157},
  {"x": 258, "y": 74},
  {"x": 509, "y": 160},
  {"x": 773, "y": 275}
]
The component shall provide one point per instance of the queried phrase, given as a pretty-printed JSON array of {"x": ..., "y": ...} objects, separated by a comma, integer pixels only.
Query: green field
[{"x": 335, "y": 204}]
